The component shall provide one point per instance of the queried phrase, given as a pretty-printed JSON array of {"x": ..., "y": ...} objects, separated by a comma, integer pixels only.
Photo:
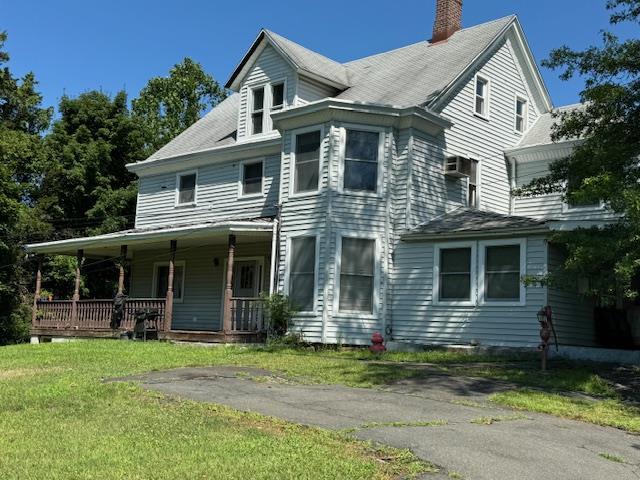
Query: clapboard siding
[
  {"x": 532, "y": 165},
  {"x": 484, "y": 139},
  {"x": 217, "y": 196},
  {"x": 572, "y": 314},
  {"x": 311, "y": 91},
  {"x": 269, "y": 66},
  {"x": 417, "y": 319},
  {"x": 201, "y": 308}
]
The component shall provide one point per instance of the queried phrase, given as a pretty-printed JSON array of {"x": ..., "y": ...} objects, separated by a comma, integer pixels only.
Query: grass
[
  {"x": 612, "y": 458},
  {"x": 492, "y": 420},
  {"x": 60, "y": 420}
]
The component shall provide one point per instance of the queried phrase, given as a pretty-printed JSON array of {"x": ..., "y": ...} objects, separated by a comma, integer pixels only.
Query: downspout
[
  {"x": 409, "y": 180},
  {"x": 274, "y": 253},
  {"x": 387, "y": 326}
]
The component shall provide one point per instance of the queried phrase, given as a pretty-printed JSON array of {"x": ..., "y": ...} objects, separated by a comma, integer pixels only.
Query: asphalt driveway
[{"x": 444, "y": 420}]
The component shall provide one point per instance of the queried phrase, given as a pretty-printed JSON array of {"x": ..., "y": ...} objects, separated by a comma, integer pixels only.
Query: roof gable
[{"x": 306, "y": 62}]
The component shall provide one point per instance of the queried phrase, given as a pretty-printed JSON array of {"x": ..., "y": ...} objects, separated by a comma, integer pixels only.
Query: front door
[{"x": 246, "y": 279}]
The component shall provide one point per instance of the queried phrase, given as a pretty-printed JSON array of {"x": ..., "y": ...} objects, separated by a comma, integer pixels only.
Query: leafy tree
[
  {"x": 22, "y": 121},
  {"x": 606, "y": 165},
  {"x": 168, "y": 105}
]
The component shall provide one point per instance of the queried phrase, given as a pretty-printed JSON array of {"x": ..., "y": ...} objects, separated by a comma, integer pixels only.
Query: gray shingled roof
[
  {"x": 217, "y": 128},
  {"x": 405, "y": 77},
  {"x": 540, "y": 132},
  {"x": 472, "y": 221},
  {"x": 416, "y": 74},
  {"x": 310, "y": 61}
]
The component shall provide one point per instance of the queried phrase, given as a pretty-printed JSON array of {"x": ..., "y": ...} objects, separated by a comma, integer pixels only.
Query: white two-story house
[{"x": 376, "y": 194}]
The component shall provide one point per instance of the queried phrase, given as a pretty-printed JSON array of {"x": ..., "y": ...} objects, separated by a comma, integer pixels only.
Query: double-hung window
[
  {"x": 306, "y": 168},
  {"x": 472, "y": 185},
  {"x": 302, "y": 273},
  {"x": 252, "y": 177},
  {"x": 361, "y": 160},
  {"x": 521, "y": 115},
  {"x": 186, "y": 194},
  {"x": 277, "y": 96},
  {"x": 455, "y": 274},
  {"x": 482, "y": 97},
  {"x": 357, "y": 275},
  {"x": 161, "y": 280},
  {"x": 502, "y": 271},
  {"x": 257, "y": 110}
]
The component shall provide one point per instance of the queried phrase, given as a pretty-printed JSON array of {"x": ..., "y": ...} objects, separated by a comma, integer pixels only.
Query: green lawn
[{"x": 58, "y": 420}]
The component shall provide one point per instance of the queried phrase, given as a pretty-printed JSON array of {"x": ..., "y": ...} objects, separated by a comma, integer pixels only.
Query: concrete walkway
[{"x": 513, "y": 446}]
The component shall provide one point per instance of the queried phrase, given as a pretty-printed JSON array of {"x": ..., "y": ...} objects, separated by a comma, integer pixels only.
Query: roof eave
[
  {"x": 512, "y": 152},
  {"x": 498, "y": 232}
]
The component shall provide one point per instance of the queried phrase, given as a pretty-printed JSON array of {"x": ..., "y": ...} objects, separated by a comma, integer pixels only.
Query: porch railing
[
  {"x": 92, "y": 314},
  {"x": 247, "y": 314}
]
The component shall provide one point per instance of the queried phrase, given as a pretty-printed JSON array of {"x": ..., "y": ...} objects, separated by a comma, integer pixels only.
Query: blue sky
[{"x": 74, "y": 46}]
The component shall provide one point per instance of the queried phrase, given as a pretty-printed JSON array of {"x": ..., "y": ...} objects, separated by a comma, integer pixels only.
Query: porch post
[
  {"x": 168, "y": 311},
  {"x": 227, "y": 323},
  {"x": 123, "y": 259},
  {"x": 76, "y": 289},
  {"x": 36, "y": 295}
]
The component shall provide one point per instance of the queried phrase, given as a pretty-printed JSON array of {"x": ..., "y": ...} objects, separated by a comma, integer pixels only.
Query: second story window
[
  {"x": 472, "y": 188},
  {"x": 251, "y": 178},
  {"x": 257, "y": 110},
  {"x": 186, "y": 194},
  {"x": 306, "y": 166},
  {"x": 482, "y": 97},
  {"x": 277, "y": 96},
  {"x": 361, "y": 161},
  {"x": 521, "y": 115}
]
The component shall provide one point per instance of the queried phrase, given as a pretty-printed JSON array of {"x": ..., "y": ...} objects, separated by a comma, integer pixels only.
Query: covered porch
[{"x": 201, "y": 283}]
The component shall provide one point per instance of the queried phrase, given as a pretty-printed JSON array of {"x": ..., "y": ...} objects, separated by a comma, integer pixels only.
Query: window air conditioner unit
[{"x": 458, "y": 167}]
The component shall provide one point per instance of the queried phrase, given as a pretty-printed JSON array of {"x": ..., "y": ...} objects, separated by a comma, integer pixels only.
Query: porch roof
[
  {"x": 149, "y": 238},
  {"x": 471, "y": 223}
]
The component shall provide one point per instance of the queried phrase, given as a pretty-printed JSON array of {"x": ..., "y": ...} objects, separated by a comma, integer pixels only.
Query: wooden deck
[{"x": 92, "y": 319}]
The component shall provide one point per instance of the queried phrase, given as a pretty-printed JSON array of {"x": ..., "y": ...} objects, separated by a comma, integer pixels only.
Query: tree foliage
[
  {"x": 168, "y": 105},
  {"x": 605, "y": 163}
]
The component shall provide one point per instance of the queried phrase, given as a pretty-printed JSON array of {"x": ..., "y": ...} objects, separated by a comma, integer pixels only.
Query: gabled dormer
[{"x": 276, "y": 74}]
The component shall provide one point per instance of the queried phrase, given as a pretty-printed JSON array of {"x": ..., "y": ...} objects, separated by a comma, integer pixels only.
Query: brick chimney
[{"x": 448, "y": 19}]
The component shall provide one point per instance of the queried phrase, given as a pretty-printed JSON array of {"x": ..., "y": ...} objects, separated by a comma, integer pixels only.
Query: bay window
[
  {"x": 306, "y": 162},
  {"x": 302, "y": 272},
  {"x": 361, "y": 160},
  {"x": 357, "y": 277}
]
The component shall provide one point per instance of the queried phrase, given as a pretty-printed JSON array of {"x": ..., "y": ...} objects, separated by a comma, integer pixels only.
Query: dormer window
[
  {"x": 257, "y": 110},
  {"x": 277, "y": 96}
]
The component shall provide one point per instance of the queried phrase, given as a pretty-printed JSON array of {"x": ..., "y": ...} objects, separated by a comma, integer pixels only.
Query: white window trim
[
  {"x": 525, "y": 115},
  {"x": 482, "y": 244},
  {"x": 241, "y": 166},
  {"x": 292, "y": 161},
  {"x": 267, "y": 123},
  {"x": 473, "y": 274},
  {"x": 154, "y": 285},
  {"x": 376, "y": 275},
  {"x": 343, "y": 153},
  {"x": 287, "y": 268},
  {"x": 487, "y": 98},
  {"x": 177, "y": 190}
]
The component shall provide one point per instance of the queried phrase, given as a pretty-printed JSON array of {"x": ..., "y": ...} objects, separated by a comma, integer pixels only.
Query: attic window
[
  {"x": 257, "y": 110},
  {"x": 482, "y": 97},
  {"x": 277, "y": 96},
  {"x": 521, "y": 114}
]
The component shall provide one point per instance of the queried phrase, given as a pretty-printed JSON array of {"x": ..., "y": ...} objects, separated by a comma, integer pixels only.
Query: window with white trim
[
  {"x": 186, "y": 194},
  {"x": 521, "y": 115},
  {"x": 502, "y": 273},
  {"x": 277, "y": 96},
  {"x": 257, "y": 110},
  {"x": 482, "y": 96},
  {"x": 306, "y": 168},
  {"x": 472, "y": 184},
  {"x": 580, "y": 204},
  {"x": 357, "y": 275},
  {"x": 455, "y": 274},
  {"x": 361, "y": 160},
  {"x": 302, "y": 273},
  {"x": 252, "y": 178},
  {"x": 161, "y": 280}
]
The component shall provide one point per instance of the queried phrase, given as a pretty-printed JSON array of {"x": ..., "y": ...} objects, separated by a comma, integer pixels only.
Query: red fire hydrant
[{"x": 377, "y": 343}]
